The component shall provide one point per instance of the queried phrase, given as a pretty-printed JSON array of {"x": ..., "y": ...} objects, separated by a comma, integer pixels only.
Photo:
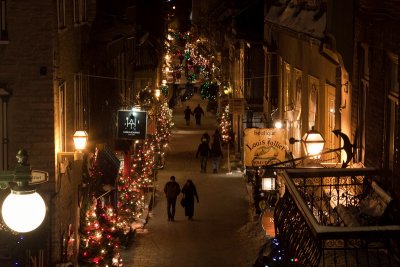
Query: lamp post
[{"x": 24, "y": 209}]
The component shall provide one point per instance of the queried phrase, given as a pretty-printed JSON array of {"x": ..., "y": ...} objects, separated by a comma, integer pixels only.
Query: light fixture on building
[
  {"x": 313, "y": 143},
  {"x": 278, "y": 124},
  {"x": 23, "y": 210},
  {"x": 80, "y": 141},
  {"x": 157, "y": 93},
  {"x": 268, "y": 183}
]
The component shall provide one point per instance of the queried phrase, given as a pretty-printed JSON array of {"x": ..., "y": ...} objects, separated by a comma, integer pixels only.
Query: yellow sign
[{"x": 264, "y": 146}]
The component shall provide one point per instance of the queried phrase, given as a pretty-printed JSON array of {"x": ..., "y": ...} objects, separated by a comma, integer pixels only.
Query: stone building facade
[{"x": 64, "y": 66}]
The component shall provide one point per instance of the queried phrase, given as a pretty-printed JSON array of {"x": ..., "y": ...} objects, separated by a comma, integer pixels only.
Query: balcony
[{"x": 337, "y": 217}]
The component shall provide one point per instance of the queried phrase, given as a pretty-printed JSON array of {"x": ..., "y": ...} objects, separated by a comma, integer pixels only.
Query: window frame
[
  {"x": 3, "y": 22},
  {"x": 61, "y": 16}
]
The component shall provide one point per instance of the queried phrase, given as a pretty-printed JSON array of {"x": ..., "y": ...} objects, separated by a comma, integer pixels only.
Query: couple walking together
[
  {"x": 197, "y": 113},
  {"x": 189, "y": 192},
  {"x": 205, "y": 152}
]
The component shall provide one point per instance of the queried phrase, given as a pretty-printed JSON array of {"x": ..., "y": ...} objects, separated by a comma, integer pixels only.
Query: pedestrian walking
[
  {"x": 217, "y": 136},
  {"x": 206, "y": 137},
  {"x": 197, "y": 112},
  {"x": 203, "y": 151},
  {"x": 188, "y": 113},
  {"x": 189, "y": 193},
  {"x": 171, "y": 190},
  {"x": 216, "y": 154}
]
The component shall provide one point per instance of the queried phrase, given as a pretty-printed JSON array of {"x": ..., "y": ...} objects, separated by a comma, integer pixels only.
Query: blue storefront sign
[{"x": 132, "y": 124}]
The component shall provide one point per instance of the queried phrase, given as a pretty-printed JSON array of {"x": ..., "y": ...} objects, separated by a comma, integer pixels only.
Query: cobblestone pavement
[{"x": 222, "y": 233}]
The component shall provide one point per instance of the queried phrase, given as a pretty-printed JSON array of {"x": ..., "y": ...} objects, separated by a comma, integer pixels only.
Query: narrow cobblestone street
[{"x": 222, "y": 233}]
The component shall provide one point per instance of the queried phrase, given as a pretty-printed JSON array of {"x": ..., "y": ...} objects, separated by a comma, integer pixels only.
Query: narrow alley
[{"x": 222, "y": 233}]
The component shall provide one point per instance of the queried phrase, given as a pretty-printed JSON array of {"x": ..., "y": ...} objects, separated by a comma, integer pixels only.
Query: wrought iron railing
[{"x": 336, "y": 217}]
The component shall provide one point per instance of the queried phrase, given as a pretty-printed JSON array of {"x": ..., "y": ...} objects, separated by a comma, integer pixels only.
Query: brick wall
[{"x": 379, "y": 31}]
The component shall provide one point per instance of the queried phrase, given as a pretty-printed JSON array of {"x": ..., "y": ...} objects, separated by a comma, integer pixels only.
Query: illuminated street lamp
[
  {"x": 80, "y": 140},
  {"x": 157, "y": 93},
  {"x": 313, "y": 143},
  {"x": 24, "y": 209}
]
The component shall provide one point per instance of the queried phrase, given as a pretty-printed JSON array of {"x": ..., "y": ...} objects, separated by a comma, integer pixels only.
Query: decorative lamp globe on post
[
  {"x": 23, "y": 210},
  {"x": 313, "y": 143}
]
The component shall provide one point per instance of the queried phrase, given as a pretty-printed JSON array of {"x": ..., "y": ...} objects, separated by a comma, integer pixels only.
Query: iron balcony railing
[{"x": 336, "y": 217}]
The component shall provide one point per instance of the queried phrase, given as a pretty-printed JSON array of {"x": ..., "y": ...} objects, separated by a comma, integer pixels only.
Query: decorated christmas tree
[
  {"x": 90, "y": 236},
  {"x": 225, "y": 126},
  {"x": 99, "y": 245}
]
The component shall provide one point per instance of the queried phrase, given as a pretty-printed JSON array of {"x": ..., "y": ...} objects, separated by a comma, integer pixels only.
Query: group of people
[
  {"x": 197, "y": 113},
  {"x": 214, "y": 152},
  {"x": 189, "y": 193}
]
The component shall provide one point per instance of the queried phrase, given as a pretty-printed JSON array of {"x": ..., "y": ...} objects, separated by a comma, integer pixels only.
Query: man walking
[
  {"x": 171, "y": 190},
  {"x": 188, "y": 113},
  {"x": 197, "y": 112},
  {"x": 204, "y": 151}
]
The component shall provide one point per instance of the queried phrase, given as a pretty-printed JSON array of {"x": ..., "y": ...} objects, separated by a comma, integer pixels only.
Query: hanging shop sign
[
  {"x": 264, "y": 146},
  {"x": 132, "y": 124}
]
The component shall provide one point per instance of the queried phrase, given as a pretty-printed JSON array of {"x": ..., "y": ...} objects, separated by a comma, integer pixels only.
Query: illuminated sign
[
  {"x": 264, "y": 146},
  {"x": 132, "y": 124}
]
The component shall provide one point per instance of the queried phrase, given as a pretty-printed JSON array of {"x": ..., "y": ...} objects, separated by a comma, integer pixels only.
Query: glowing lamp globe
[
  {"x": 313, "y": 143},
  {"x": 80, "y": 140},
  {"x": 23, "y": 211},
  {"x": 157, "y": 93}
]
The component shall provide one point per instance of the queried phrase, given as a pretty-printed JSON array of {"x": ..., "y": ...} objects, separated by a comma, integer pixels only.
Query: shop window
[
  {"x": 330, "y": 116},
  {"x": 296, "y": 129}
]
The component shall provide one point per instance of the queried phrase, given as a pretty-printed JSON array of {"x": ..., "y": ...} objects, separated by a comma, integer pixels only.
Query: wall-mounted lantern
[
  {"x": 313, "y": 143},
  {"x": 268, "y": 183},
  {"x": 80, "y": 141}
]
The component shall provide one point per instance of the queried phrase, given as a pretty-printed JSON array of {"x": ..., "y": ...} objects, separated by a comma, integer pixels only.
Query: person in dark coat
[
  {"x": 204, "y": 151},
  {"x": 205, "y": 136},
  {"x": 217, "y": 136},
  {"x": 189, "y": 193},
  {"x": 188, "y": 113},
  {"x": 171, "y": 190},
  {"x": 197, "y": 112},
  {"x": 216, "y": 154}
]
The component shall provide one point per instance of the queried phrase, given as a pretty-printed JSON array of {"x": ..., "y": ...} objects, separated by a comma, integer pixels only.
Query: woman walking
[{"x": 189, "y": 193}]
